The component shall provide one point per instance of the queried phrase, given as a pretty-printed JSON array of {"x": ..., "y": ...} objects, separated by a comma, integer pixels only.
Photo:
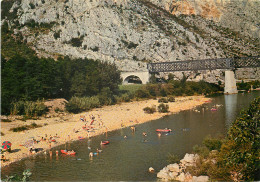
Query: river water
[{"x": 129, "y": 159}]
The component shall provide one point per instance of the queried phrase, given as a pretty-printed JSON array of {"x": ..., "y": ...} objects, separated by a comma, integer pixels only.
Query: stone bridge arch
[{"x": 143, "y": 76}]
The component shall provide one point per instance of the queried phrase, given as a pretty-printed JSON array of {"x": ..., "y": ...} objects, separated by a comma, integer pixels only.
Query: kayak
[
  {"x": 66, "y": 152},
  {"x": 105, "y": 142},
  {"x": 80, "y": 138},
  {"x": 213, "y": 109},
  {"x": 164, "y": 130}
]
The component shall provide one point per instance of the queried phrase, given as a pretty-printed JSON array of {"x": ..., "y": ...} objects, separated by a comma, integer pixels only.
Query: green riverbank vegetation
[{"x": 235, "y": 157}]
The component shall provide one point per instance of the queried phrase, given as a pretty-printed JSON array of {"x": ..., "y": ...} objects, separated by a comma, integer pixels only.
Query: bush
[
  {"x": 29, "y": 108},
  {"x": 212, "y": 143},
  {"x": 149, "y": 110},
  {"x": 25, "y": 127},
  {"x": 163, "y": 100},
  {"x": 20, "y": 128},
  {"x": 142, "y": 93},
  {"x": 6, "y": 120},
  {"x": 173, "y": 158},
  {"x": 163, "y": 108},
  {"x": 171, "y": 99},
  {"x": 201, "y": 150}
]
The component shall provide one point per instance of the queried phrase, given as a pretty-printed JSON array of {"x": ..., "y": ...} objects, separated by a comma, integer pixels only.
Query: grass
[{"x": 131, "y": 88}]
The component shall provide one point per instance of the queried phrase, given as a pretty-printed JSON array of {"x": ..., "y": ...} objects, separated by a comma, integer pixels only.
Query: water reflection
[{"x": 230, "y": 108}]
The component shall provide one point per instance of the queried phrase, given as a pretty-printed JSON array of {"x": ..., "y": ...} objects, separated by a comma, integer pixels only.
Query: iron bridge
[{"x": 206, "y": 64}]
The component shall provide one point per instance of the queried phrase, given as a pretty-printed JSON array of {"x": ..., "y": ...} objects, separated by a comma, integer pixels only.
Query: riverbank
[{"x": 68, "y": 127}]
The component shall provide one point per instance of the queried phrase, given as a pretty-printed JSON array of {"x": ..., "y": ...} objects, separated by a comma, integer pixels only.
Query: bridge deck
[{"x": 206, "y": 64}]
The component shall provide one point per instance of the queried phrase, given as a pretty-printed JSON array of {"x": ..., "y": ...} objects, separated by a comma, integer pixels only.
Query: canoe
[
  {"x": 164, "y": 130},
  {"x": 65, "y": 152},
  {"x": 80, "y": 138},
  {"x": 105, "y": 142}
]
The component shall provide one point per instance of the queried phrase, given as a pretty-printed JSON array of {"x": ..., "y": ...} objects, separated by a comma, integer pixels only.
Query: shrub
[
  {"x": 171, "y": 99},
  {"x": 212, "y": 143},
  {"x": 142, "y": 93},
  {"x": 149, "y": 110},
  {"x": 201, "y": 150},
  {"x": 173, "y": 158},
  {"x": 29, "y": 108},
  {"x": 57, "y": 34},
  {"x": 163, "y": 100},
  {"x": 20, "y": 128},
  {"x": 6, "y": 120},
  {"x": 163, "y": 108},
  {"x": 25, "y": 127}
]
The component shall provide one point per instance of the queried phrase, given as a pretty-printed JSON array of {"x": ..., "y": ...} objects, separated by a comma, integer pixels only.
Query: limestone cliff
[
  {"x": 240, "y": 15},
  {"x": 131, "y": 32}
]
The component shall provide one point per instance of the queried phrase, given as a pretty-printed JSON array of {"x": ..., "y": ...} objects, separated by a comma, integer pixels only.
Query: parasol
[{"x": 6, "y": 145}]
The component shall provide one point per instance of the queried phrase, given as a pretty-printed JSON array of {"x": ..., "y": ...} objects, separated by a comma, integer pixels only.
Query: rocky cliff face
[
  {"x": 239, "y": 15},
  {"x": 132, "y": 33}
]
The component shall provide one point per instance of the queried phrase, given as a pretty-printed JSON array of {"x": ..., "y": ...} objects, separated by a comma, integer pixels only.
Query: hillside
[{"x": 132, "y": 33}]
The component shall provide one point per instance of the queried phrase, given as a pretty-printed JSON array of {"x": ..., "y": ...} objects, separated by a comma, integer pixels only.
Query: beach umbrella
[
  {"x": 6, "y": 145},
  {"x": 28, "y": 143}
]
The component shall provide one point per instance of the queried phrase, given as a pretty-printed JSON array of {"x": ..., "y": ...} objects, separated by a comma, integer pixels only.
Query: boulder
[
  {"x": 189, "y": 160},
  {"x": 200, "y": 179},
  {"x": 174, "y": 167},
  {"x": 163, "y": 175},
  {"x": 181, "y": 177},
  {"x": 173, "y": 175}
]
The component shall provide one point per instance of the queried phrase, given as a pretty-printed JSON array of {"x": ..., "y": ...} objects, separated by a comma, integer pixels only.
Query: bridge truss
[{"x": 206, "y": 64}]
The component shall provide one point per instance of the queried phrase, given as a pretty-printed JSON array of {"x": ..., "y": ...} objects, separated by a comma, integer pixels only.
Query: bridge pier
[{"x": 230, "y": 83}]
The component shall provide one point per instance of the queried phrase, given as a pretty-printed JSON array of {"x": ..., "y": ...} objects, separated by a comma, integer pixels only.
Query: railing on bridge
[{"x": 207, "y": 64}]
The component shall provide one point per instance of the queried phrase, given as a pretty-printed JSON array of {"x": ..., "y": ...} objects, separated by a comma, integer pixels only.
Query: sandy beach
[{"x": 68, "y": 127}]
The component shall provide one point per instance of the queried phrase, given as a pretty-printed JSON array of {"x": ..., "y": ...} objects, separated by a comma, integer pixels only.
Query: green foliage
[
  {"x": 176, "y": 88},
  {"x": 6, "y": 120},
  {"x": 142, "y": 93},
  {"x": 29, "y": 108},
  {"x": 5, "y": 9},
  {"x": 243, "y": 86},
  {"x": 163, "y": 108},
  {"x": 201, "y": 150},
  {"x": 149, "y": 110},
  {"x": 212, "y": 143},
  {"x": 247, "y": 85},
  {"x": 76, "y": 42},
  {"x": 11, "y": 48},
  {"x": 25, "y": 127},
  {"x": 163, "y": 100},
  {"x": 26, "y": 175},
  {"x": 35, "y": 25},
  {"x": 171, "y": 158},
  {"x": 241, "y": 150},
  {"x": 56, "y": 35},
  {"x": 77, "y": 104},
  {"x": 171, "y": 99},
  {"x": 35, "y": 78}
]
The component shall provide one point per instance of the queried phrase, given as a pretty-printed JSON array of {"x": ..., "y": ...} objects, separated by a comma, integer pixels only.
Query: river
[{"x": 128, "y": 159}]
